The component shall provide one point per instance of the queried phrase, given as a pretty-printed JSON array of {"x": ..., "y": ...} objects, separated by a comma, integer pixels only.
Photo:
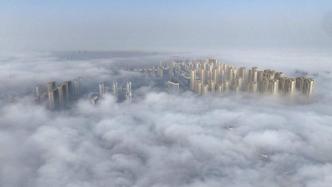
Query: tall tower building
[
  {"x": 290, "y": 86},
  {"x": 198, "y": 87},
  {"x": 52, "y": 95},
  {"x": 77, "y": 88},
  {"x": 299, "y": 83},
  {"x": 308, "y": 86},
  {"x": 160, "y": 72},
  {"x": 254, "y": 74},
  {"x": 37, "y": 94},
  {"x": 238, "y": 84},
  {"x": 202, "y": 76},
  {"x": 264, "y": 86},
  {"x": 62, "y": 89},
  {"x": 67, "y": 86},
  {"x": 241, "y": 73},
  {"x": 102, "y": 89},
  {"x": 115, "y": 90},
  {"x": 192, "y": 79},
  {"x": 260, "y": 76},
  {"x": 51, "y": 85},
  {"x": 273, "y": 86},
  {"x": 129, "y": 94},
  {"x": 71, "y": 90},
  {"x": 53, "y": 99},
  {"x": 282, "y": 84}
]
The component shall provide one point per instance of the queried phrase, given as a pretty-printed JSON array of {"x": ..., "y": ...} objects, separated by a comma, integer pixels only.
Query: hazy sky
[{"x": 172, "y": 24}]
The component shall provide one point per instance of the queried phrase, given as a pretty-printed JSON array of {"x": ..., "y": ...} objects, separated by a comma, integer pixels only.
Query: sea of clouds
[{"x": 165, "y": 140}]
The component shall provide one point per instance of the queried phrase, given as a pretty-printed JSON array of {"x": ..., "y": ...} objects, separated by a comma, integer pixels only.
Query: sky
[{"x": 163, "y": 25}]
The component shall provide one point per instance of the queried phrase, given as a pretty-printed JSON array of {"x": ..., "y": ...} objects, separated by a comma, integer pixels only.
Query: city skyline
[{"x": 202, "y": 77}]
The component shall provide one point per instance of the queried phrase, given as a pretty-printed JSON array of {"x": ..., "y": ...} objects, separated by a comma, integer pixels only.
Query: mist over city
[{"x": 165, "y": 94}]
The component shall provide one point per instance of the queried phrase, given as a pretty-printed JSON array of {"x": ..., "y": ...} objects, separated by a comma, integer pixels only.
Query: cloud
[{"x": 169, "y": 140}]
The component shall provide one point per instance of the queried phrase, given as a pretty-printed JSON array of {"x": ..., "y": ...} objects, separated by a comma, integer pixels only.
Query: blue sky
[{"x": 148, "y": 24}]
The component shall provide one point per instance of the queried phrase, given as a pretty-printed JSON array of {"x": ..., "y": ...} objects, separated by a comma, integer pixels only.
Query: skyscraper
[
  {"x": 192, "y": 79},
  {"x": 102, "y": 89},
  {"x": 300, "y": 83},
  {"x": 308, "y": 86},
  {"x": 202, "y": 75},
  {"x": 129, "y": 94},
  {"x": 115, "y": 90},
  {"x": 52, "y": 95},
  {"x": 290, "y": 86},
  {"x": 77, "y": 88},
  {"x": 273, "y": 87},
  {"x": 62, "y": 91}
]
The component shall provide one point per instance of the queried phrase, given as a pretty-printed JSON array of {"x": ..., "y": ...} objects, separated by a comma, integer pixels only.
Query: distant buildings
[
  {"x": 204, "y": 77},
  {"x": 210, "y": 76}
]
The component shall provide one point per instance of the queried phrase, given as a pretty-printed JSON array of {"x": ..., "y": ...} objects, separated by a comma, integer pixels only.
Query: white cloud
[{"x": 168, "y": 140}]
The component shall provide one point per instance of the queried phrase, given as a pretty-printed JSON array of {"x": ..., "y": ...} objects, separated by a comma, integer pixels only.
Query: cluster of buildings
[
  {"x": 61, "y": 95},
  {"x": 202, "y": 77},
  {"x": 212, "y": 77},
  {"x": 119, "y": 91}
]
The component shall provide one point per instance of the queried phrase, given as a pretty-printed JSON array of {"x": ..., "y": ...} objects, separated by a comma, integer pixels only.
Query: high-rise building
[
  {"x": 102, "y": 89},
  {"x": 37, "y": 93},
  {"x": 308, "y": 86},
  {"x": 202, "y": 76},
  {"x": 115, "y": 90},
  {"x": 282, "y": 84},
  {"x": 192, "y": 79},
  {"x": 273, "y": 87},
  {"x": 252, "y": 75},
  {"x": 264, "y": 86},
  {"x": 260, "y": 76},
  {"x": 129, "y": 94},
  {"x": 289, "y": 88},
  {"x": 160, "y": 72},
  {"x": 238, "y": 84},
  {"x": 241, "y": 73},
  {"x": 52, "y": 95},
  {"x": 198, "y": 87},
  {"x": 299, "y": 83},
  {"x": 53, "y": 98},
  {"x": 77, "y": 88},
  {"x": 67, "y": 85},
  {"x": 230, "y": 74},
  {"x": 51, "y": 85},
  {"x": 62, "y": 90}
]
